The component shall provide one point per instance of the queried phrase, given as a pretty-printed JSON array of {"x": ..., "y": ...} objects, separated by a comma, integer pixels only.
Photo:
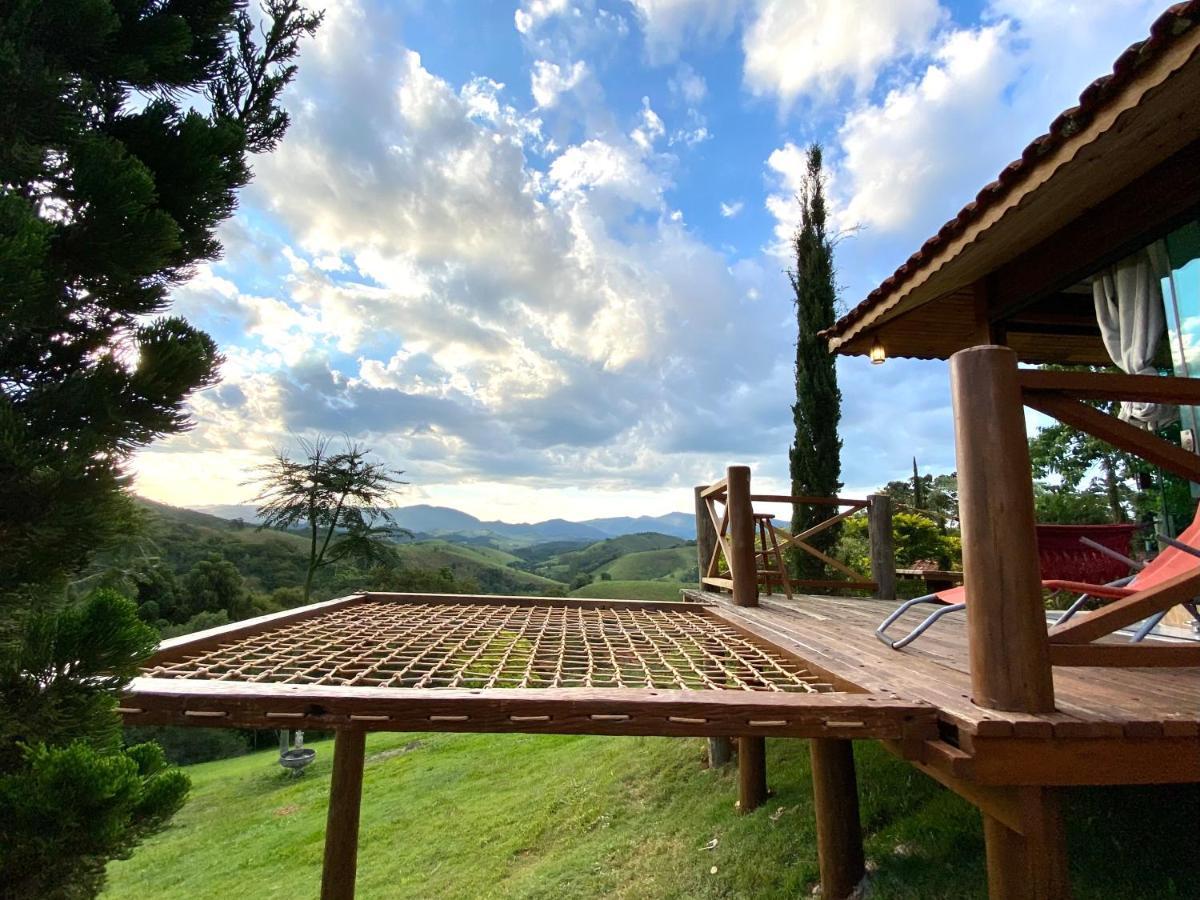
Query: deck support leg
[
  {"x": 341, "y": 827},
  {"x": 839, "y": 832},
  {"x": 752, "y": 773},
  {"x": 720, "y": 752},
  {"x": 1033, "y": 865}
]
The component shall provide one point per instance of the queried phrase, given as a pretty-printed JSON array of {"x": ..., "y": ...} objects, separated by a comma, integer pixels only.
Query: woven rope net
[{"x": 382, "y": 643}]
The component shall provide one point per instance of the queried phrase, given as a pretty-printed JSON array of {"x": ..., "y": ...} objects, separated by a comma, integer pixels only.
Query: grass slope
[
  {"x": 631, "y": 590},
  {"x": 673, "y": 564},
  {"x": 518, "y": 816},
  {"x": 592, "y": 558},
  {"x": 484, "y": 565}
]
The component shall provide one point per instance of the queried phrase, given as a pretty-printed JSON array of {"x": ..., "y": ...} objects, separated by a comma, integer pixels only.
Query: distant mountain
[{"x": 444, "y": 522}]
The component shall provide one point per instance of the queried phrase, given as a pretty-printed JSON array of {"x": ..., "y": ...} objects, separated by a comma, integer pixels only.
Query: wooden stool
[{"x": 769, "y": 558}]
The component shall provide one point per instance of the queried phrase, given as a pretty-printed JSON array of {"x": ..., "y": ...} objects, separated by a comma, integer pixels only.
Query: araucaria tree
[
  {"x": 125, "y": 127},
  {"x": 338, "y": 498},
  {"x": 815, "y": 456}
]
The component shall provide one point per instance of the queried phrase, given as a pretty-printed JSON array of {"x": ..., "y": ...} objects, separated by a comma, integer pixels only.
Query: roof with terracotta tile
[{"x": 1168, "y": 28}]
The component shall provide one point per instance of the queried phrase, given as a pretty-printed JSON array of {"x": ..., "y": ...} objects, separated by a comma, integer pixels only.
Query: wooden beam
[
  {"x": 1121, "y": 435},
  {"x": 752, "y": 773},
  {"x": 740, "y": 549},
  {"x": 1006, "y": 625},
  {"x": 1158, "y": 654},
  {"x": 717, "y": 487},
  {"x": 1085, "y": 627},
  {"x": 805, "y": 500},
  {"x": 341, "y": 826},
  {"x": 1000, "y": 803},
  {"x": 671, "y": 713},
  {"x": 1113, "y": 386},
  {"x": 883, "y": 549},
  {"x": 839, "y": 831}
]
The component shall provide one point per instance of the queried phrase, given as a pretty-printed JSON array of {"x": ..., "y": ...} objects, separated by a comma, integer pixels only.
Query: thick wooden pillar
[
  {"x": 839, "y": 832},
  {"x": 883, "y": 547},
  {"x": 1006, "y": 620},
  {"x": 743, "y": 567},
  {"x": 341, "y": 826},
  {"x": 1033, "y": 865},
  {"x": 752, "y": 773}
]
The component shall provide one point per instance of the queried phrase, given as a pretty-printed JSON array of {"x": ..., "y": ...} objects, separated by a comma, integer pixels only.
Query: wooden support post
[
  {"x": 1033, "y": 865},
  {"x": 341, "y": 826},
  {"x": 839, "y": 832},
  {"x": 883, "y": 548},
  {"x": 720, "y": 752},
  {"x": 706, "y": 535},
  {"x": 742, "y": 564},
  {"x": 1006, "y": 621},
  {"x": 752, "y": 773}
]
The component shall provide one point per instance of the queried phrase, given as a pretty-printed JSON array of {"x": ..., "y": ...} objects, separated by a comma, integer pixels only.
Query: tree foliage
[
  {"x": 815, "y": 456},
  {"x": 338, "y": 498},
  {"x": 112, "y": 185}
]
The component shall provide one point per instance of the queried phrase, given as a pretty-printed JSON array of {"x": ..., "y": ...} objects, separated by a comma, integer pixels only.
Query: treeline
[{"x": 187, "y": 571}]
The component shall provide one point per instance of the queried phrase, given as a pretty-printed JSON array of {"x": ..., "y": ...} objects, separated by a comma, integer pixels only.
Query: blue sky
[{"x": 534, "y": 254}]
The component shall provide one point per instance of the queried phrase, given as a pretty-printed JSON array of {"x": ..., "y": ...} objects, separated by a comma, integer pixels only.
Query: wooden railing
[
  {"x": 725, "y": 531},
  {"x": 1011, "y": 653}
]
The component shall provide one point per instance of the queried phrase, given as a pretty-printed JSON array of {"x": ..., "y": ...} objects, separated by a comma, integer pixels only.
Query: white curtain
[{"x": 1129, "y": 308}]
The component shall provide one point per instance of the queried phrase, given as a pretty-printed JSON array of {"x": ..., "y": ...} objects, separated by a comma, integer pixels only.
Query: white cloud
[
  {"x": 650, "y": 128},
  {"x": 811, "y": 47},
  {"x": 548, "y": 80},
  {"x": 688, "y": 84},
  {"x": 729, "y": 210},
  {"x": 668, "y": 24},
  {"x": 533, "y": 13}
]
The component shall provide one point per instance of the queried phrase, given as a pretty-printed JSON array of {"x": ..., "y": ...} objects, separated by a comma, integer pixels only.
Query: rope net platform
[
  {"x": 446, "y": 662},
  {"x": 387, "y": 644}
]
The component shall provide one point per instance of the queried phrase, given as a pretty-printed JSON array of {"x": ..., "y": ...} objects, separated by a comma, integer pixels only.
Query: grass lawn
[
  {"x": 465, "y": 816},
  {"x": 631, "y": 590}
]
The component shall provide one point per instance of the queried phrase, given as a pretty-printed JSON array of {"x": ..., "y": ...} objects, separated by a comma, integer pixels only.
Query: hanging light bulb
[{"x": 878, "y": 354}]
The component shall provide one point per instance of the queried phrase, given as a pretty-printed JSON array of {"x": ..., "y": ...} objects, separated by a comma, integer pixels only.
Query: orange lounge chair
[{"x": 1179, "y": 557}]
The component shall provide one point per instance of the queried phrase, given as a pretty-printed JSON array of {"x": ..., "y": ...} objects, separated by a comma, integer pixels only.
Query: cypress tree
[
  {"x": 125, "y": 129},
  {"x": 815, "y": 456}
]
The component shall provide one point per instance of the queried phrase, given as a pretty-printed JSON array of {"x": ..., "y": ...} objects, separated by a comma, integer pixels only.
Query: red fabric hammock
[{"x": 1064, "y": 558}]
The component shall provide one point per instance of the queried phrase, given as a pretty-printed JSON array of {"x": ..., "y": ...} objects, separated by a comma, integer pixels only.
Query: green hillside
[
  {"x": 521, "y": 816},
  {"x": 488, "y": 568},
  {"x": 674, "y": 564},
  {"x": 591, "y": 559},
  {"x": 631, "y": 590}
]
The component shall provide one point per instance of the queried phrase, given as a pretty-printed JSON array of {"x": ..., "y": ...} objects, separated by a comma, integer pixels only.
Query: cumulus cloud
[
  {"x": 533, "y": 13},
  {"x": 667, "y": 24},
  {"x": 548, "y": 80},
  {"x": 473, "y": 312},
  {"x": 799, "y": 47},
  {"x": 729, "y": 210}
]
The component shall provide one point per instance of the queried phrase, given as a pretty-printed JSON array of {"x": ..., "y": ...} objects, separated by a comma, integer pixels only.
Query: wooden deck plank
[{"x": 836, "y": 635}]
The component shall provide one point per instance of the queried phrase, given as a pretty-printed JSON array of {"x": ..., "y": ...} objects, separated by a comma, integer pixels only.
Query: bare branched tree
[{"x": 339, "y": 497}]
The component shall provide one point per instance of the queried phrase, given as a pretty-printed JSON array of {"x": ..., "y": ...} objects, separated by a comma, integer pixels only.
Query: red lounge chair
[{"x": 1180, "y": 556}]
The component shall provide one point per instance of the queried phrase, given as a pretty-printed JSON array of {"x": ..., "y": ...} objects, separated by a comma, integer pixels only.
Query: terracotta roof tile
[{"x": 1173, "y": 22}]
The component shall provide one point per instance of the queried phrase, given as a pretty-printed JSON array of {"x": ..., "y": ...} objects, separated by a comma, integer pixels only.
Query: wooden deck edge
[{"x": 153, "y": 701}]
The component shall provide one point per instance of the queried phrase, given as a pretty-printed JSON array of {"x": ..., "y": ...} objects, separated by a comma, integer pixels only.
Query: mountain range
[{"x": 443, "y": 521}]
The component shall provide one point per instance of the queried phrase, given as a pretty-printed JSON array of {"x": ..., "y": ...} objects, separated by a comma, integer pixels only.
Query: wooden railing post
[
  {"x": 341, "y": 826},
  {"x": 1006, "y": 619},
  {"x": 883, "y": 548},
  {"x": 743, "y": 568},
  {"x": 706, "y": 535}
]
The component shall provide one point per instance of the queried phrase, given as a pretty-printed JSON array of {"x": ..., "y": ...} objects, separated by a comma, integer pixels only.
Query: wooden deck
[{"x": 1112, "y": 725}]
